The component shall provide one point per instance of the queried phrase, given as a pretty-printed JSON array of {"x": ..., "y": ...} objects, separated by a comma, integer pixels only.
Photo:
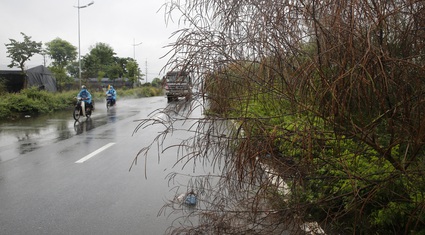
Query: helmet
[
  {"x": 83, "y": 87},
  {"x": 111, "y": 87}
]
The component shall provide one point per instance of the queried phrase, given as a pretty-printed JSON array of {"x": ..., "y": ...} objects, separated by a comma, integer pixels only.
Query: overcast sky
[{"x": 119, "y": 23}]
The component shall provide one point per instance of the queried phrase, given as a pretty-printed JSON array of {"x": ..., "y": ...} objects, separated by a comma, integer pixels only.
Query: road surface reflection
[{"x": 24, "y": 135}]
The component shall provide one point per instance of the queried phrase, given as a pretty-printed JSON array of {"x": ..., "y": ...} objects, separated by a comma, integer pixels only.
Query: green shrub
[
  {"x": 5, "y": 112},
  {"x": 19, "y": 103},
  {"x": 33, "y": 101},
  {"x": 140, "y": 92}
]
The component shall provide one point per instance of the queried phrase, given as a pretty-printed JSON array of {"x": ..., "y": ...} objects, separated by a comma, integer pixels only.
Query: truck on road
[{"x": 177, "y": 84}]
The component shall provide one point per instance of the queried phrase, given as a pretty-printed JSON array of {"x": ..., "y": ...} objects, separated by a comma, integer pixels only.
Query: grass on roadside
[{"x": 33, "y": 101}]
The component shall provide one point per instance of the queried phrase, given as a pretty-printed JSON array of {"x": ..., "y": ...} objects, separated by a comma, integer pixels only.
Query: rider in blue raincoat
[
  {"x": 85, "y": 96},
  {"x": 113, "y": 92}
]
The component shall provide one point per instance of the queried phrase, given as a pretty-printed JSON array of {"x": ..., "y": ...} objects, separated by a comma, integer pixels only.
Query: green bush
[{"x": 5, "y": 112}]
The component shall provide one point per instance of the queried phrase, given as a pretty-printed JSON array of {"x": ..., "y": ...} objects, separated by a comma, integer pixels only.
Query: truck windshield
[{"x": 174, "y": 78}]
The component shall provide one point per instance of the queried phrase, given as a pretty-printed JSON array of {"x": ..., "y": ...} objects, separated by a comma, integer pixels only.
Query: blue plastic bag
[{"x": 190, "y": 199}]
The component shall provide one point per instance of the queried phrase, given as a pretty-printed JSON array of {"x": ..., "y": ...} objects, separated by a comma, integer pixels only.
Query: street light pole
[{"x": 79, "y": 44}]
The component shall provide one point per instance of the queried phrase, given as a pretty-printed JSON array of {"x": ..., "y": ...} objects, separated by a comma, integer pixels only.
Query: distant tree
[
  {"x": 114, "y": 71},
  {"x": 100, "y": 58},
  {"x": 122, "y": 63},
  {"x": 156, "y": 82},
  {"x": 63, "y": 54},
  {"x": 104, "y": 52},
  {"x": 61, "y": 76},
  {"x": 90, "y": 66},
  {"x": 133, "y": 72},
  {"x": 72, "y": 69},
  {"x": 21, "y": 52},
  {"x": 100, "y": 75},
  {"x": 101, "y": 61}
]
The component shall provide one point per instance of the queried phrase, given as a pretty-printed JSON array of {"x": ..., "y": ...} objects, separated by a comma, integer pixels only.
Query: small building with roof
[{"x": 38, "y": 76}]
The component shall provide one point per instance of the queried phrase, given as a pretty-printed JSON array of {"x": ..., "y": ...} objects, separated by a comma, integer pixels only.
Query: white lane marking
[{"x": 94, "y": 153}]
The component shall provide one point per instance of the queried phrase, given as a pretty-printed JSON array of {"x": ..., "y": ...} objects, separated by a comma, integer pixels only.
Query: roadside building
[{"x": 38, "y": 76}]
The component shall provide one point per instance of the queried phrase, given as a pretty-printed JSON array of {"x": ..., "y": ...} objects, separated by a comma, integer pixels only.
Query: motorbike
[
  {"x": 109, "y": 101},
  {"x": 81, "y": 109}
]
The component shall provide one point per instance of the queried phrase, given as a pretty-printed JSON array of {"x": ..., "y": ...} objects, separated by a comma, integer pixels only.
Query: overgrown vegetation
[
  {"x": 326, "y": 95},
  {"x": 33, "y": 101},
  {"x": 145, "y": 91}
]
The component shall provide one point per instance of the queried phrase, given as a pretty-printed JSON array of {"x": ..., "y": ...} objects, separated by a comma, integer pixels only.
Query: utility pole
[
  {"x": 43, "y": 53},
  {"x": 134, "y": 48}
]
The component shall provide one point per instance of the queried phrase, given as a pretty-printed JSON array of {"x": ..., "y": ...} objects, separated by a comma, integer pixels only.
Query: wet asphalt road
[{"x": 62, "y": 177}]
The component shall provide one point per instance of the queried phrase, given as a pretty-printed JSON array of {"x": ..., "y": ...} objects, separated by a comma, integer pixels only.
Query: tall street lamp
[{"x": 79, "y": 44}]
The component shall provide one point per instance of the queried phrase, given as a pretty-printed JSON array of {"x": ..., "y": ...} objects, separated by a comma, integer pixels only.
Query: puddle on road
[
  {"x": 21, "y": 136},
  {"x": 30, "y": 133}
]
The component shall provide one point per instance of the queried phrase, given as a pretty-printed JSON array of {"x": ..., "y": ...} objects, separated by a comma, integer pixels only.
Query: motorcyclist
[
  {"x": 86, "y": 97},
  {"x": 113, "y": 92}
]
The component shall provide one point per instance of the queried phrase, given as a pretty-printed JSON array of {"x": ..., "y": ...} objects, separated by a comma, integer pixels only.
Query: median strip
[{"x": 94, "y": 153}]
